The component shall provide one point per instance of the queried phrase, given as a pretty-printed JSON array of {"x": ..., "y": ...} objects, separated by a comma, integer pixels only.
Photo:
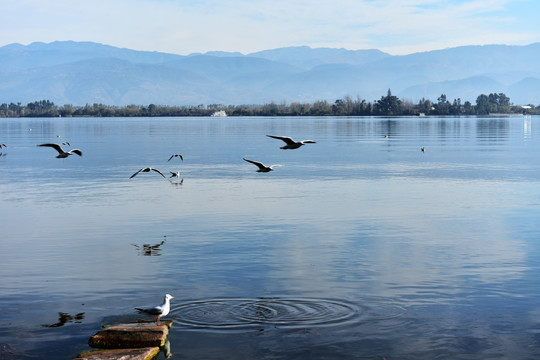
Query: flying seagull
[
  {"x": 61, "y": 152},
  {"x": 176, "y": 155},
  {"x": 261, "y": 166},
  {"x": 148, "y": 169},
  {"x": 161, "y": 310},
  {"x": 290, "y": 143},
  {"x": 423, "y": 149},
  {"x": 3, "y": 146},
  {"x": 175, "y": 174}
]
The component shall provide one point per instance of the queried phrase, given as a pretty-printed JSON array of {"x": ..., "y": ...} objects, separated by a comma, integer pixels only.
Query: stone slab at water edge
[
  {"x": 120, "y": 354},
  {"x": 130, "y": 336}
]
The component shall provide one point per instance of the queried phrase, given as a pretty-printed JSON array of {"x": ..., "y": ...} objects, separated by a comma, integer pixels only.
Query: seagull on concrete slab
[
  {"x": 176, "y": 155},
  {"x": 159, "y": 311},
  {"x": 290, "y": 143},
  {"x": 261, "y": 166},
  {"x": 61, "y": 152},
  {"x": 148, "y": 169}
]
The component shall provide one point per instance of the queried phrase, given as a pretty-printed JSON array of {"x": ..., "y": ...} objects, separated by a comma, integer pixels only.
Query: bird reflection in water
[
  {"x": 166, "y": 349},
  {"x": 64, "y": 318},
  {"x": 177, "y": 183},
  {"x": 150, "y": 250}
]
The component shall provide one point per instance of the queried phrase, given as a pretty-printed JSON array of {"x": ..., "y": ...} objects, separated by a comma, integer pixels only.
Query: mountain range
[{"x": 79, "y": 73}]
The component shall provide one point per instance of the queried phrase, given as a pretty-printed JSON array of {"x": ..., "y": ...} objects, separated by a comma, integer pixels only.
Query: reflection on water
[
  {"x": 150, "y": 250},
  {"x": 358, "y": 246},
  {"x": 64, "y": 318}
]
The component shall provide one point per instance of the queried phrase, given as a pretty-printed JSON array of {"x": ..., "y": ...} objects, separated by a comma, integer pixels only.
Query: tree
[
  {"x": 443, "y": 105},
  {"x": 388, "y": 105},
  {"x": 482, "y": 105},
  {"x": 424, "y": 106}
]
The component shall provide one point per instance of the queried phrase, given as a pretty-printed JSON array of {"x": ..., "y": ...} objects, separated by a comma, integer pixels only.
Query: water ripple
[{"x": 249, "y": 313}]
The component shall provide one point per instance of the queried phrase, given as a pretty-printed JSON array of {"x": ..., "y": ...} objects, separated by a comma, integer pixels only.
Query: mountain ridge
[{"x": 69, "y": 72}]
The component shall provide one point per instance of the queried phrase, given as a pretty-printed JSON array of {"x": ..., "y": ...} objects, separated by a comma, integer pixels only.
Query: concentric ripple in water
[{"x": 245, "y": 313}]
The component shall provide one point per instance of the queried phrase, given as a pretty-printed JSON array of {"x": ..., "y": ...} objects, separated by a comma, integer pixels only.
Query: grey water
[{"x": 359, "y": 246}]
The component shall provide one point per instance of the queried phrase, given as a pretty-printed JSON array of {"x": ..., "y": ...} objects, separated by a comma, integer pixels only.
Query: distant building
[{"x": 219, "y": 113}]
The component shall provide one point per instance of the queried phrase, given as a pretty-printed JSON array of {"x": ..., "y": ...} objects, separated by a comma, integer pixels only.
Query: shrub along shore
[{"x": 388, "y": 105}]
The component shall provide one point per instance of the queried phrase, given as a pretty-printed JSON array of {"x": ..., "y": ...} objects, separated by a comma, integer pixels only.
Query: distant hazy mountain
[{"x": 84, "y": 72}]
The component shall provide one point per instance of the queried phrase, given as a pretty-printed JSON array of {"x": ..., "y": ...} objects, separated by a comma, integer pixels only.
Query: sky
[{"x": 183, "y": 27}]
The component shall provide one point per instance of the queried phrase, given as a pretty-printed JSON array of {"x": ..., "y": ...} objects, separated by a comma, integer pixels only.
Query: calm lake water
[{"x": 356, "y": 247}]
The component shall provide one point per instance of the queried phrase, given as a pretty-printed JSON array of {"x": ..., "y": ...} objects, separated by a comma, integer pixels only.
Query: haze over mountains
[{"x": 80, "y": 73}]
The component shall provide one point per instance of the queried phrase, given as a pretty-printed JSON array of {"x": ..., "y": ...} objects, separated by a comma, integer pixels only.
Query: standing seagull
[
  {"x": 291, "y": 144},
  {"x": 176, "y": 155},
  {"x": 262, "y": 167},
  {"x": 161, "y": 310},
  {"x": 148, "y": 169},
  {"x": 61, "y": 152}
]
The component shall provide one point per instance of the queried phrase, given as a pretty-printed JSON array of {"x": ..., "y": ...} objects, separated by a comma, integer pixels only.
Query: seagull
[
  {"x": 423, "y": 149},
  {"x": 3, "y": 146},
  {"x": 176, "y": 155},
  {"x": 291, "y": 144},
  {"x": 175, "y": 174},
  {"x": 262, "y": 167},
  {"x": 66, "y": 143},
  {"x": 148, "y": 169},
  {"x": 61, "y": 152},
  {"x": 161, "y": 310}
]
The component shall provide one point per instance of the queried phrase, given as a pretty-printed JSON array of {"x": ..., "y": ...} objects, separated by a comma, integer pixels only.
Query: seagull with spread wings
[
  {"x": 176, "y": 155},
  {"x": 148, "y": 169},
  {"x": 290, "y": 143},
  {"x": 261, "y": 166},
  {"x": 61, "y": 152}
]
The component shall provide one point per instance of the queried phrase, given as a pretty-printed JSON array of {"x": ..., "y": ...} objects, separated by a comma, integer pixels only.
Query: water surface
[{"x": 358, "y": 246}]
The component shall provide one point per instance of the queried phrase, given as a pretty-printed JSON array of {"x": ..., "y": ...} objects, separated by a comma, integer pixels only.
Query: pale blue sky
[{"x": 187, "y": 26}]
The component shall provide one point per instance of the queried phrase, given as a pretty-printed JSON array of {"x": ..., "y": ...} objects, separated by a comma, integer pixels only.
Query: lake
[{"x": 359, "y": 246}]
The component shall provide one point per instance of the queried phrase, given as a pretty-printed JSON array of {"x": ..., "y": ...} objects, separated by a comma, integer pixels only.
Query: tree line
[{"x": 388, "y": 105}]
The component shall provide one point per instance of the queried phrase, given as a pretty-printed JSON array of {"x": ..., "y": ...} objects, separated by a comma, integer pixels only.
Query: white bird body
[
  {"x": 290, "y": 143},
  {"x": 159, "y": 311},
  {"x": 61, "y": 153},
  {"x": 148, "y": 169},
  {"x": 261, "y": 166}
]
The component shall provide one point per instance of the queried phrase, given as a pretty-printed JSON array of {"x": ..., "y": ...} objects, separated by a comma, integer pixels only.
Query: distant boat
[{"x": 220, "y": 113}]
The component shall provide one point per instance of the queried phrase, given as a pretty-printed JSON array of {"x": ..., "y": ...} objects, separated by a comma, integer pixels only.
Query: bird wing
[
  {"x": 159, "y": 172},
  {"x": 54, "y": 146},
  {"x": 132, "y": 176},
  {"x": 259, "y": 164},
  {"x": 308, "y": 142},
  {"x": 180, "y": 156},
  {"x": 157, "y": 310},
  {"x": 77, "y": 151},
  {"x": 287, "y": 139}
]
